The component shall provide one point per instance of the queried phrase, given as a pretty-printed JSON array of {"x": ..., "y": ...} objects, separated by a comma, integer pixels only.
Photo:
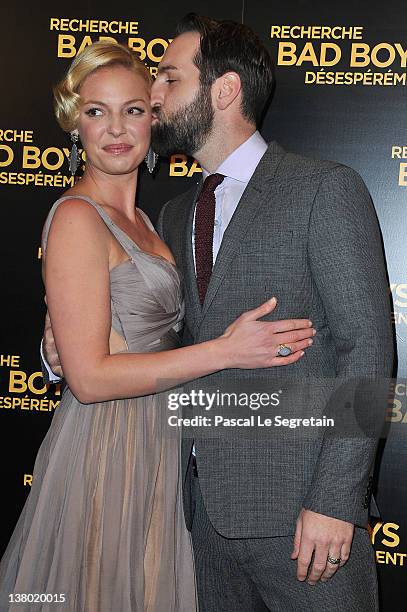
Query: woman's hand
[
  {"x": 250, "y": 343},
  {"x": 50, "y": 349}
]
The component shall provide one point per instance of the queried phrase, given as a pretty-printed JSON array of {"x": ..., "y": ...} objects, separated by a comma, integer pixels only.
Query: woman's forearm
[{"x": 134, "y": 374}]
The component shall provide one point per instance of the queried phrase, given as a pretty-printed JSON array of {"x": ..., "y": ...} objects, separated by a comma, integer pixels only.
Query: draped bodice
[{"x": 145, "y": 290}]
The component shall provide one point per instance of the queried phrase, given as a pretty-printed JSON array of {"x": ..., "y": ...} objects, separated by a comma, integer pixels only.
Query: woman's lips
[{"x": 117, "y": 149}]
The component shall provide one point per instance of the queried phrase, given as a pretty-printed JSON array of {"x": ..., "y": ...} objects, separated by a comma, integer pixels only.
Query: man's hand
[
  {"x": 320, "y": 535},
  {"x": 50, "y": 350}
]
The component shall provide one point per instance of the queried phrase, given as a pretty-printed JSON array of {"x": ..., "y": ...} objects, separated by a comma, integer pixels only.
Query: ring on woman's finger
[
  {"x": 334, "y": 560},
  {"x": 284, "y": 350}
]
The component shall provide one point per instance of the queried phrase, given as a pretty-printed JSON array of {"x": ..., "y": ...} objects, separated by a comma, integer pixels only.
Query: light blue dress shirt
[{"x": 238, "y": 168}]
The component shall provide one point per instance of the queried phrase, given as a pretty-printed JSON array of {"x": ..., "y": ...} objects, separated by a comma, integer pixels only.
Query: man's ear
[{"x": 226, "y": 89}]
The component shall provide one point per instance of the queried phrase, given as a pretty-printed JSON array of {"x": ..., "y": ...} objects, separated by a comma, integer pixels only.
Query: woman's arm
[{"x": 77, "y": 284}]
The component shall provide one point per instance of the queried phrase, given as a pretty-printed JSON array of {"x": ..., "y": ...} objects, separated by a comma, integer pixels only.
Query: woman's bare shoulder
[{"x": 79, "y": 214}]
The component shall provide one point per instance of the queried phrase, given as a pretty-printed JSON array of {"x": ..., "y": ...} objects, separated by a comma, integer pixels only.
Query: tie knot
[{"x": 211, "y": 182}]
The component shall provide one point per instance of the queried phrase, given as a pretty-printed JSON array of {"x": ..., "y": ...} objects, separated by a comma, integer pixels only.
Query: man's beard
[{"x": 187, "y": 129}]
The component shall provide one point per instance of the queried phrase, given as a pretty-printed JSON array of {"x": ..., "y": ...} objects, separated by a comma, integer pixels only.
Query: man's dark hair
[{"x": 229, "y": 46}]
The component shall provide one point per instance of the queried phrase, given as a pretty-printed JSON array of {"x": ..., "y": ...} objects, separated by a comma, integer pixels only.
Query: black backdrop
[{"x": 341, "y": 94}]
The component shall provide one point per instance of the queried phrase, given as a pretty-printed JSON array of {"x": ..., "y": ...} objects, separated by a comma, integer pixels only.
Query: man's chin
[
  {"x": 167, "y": 150},
  {"x": 162, "y": 150}
]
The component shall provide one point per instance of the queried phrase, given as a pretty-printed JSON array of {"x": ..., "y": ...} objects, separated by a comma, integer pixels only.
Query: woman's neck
[{"x": 114, "y": 190}]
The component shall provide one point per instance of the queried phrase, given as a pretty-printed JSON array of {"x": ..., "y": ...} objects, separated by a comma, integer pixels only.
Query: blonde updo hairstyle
[{"x": 67, "y": 99}]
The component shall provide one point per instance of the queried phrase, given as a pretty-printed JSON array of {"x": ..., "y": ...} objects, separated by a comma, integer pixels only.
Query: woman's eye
[
  {"x": 170, "y": 80},
  {"x": 135, "y": 110},
  {"x": 93, "y": 112}
]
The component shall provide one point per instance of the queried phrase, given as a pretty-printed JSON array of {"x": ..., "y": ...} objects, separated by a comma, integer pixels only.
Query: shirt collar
[{"x": 243, "y": 161}]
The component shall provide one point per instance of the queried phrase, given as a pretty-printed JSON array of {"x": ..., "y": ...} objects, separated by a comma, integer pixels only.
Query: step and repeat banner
[{"x": 340, "y": 94}]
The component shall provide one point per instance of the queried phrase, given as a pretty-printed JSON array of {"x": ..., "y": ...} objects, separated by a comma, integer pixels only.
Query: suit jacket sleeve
[{"x": 347, "y": 262}]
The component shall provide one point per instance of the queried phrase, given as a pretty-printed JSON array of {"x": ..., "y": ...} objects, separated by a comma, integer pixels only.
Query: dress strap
[{"x": 124, "y": 240}]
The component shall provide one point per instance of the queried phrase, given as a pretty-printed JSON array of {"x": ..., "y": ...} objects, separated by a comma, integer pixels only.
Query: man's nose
[{"x": 156, "y": 95}]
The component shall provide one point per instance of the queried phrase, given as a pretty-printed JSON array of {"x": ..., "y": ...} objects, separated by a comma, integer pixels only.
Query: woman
[{"x": 103, "y": 524}]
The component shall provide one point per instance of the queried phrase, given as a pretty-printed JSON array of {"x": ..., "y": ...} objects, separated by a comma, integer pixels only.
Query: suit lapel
[
  {"x": 249, "y": 206},
  {"x": 190, "y": 277}
]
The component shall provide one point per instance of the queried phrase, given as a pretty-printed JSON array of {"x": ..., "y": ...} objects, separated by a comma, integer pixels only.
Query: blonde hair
[{"x": 67, "y": 99}]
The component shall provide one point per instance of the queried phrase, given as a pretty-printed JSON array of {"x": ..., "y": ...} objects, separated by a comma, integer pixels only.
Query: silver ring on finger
[
  {"x": 284, "y": 350},
  {"x": 334, "y": 560}
]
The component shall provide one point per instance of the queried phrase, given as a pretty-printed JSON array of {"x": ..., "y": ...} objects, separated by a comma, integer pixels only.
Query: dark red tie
[{"x": 204, "y": 223}]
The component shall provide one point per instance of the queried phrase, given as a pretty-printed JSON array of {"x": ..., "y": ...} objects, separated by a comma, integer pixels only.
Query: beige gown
[{"x": 103, "y": 522}]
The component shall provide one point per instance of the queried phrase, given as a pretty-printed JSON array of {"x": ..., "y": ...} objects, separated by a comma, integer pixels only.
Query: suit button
[{"x": 366, "y": 503}]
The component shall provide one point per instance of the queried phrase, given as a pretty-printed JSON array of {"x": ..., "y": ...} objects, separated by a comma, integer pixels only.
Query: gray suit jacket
[{"x": 306, "y": 232}]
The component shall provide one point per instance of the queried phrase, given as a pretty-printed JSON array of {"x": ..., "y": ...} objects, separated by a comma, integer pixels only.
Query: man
[
  {"x": 271, "y": 223},
  {"x": 277, "y": 524}
]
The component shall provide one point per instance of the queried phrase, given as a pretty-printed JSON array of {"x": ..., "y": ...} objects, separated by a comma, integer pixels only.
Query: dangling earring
[
  {"x": 151, "y": 160},
  {"x": 74, "y": 158}
]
